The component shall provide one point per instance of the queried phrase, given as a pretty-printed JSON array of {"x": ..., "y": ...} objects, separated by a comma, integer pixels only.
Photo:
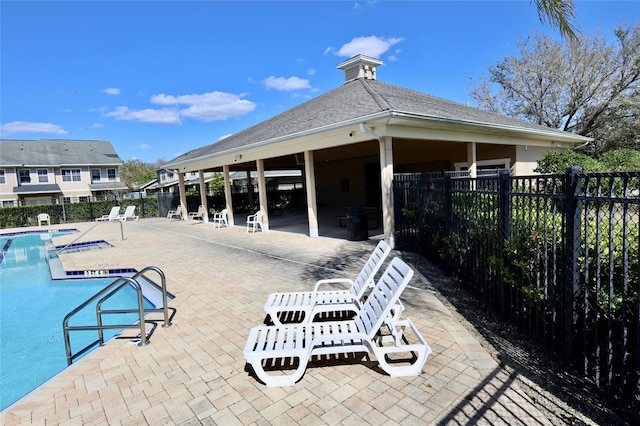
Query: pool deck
[{"x": 193, "y": 372}]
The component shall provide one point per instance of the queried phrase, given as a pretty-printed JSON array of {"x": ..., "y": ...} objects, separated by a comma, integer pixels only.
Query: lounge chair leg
[
  {"x": 421, "y": 349},
  {"x": 413, "y": 369},
  {"x": 281, "y": 380}
]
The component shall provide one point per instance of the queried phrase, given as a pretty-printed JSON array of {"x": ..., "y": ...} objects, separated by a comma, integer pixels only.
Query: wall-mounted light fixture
[
  {"x": 352, "y": 134},
  {"x": 238, "y": 158}
]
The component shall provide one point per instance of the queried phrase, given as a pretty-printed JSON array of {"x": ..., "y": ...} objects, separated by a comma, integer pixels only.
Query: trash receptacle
[{"x": 357, "y": 225}]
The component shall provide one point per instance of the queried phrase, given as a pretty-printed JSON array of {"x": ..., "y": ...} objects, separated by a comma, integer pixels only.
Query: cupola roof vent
[{"x": 359, "y": 66}]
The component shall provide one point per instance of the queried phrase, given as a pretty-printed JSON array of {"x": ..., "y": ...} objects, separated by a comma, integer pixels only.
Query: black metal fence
[{"x": 556, "y": 255}]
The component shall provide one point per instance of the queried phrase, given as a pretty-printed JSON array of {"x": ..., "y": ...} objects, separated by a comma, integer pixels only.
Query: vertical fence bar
[
  {"x": 504, "y": 230},
  {"x": 448, "y": 217},
  {"x": 570, "y": 283}
]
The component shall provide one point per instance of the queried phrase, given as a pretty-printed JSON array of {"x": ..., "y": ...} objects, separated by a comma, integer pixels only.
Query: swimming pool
[{"x": 32, "y": 308}]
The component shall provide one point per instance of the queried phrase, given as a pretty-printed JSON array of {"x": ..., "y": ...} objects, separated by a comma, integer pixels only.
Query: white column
[
  {"x": 203, "y": 196},
  {"x": 228, "y": 199},
  {"x": 471, "y": 159},
  {"x": 386, "y": 179},
  {"x": 262, "y": 195},
  {"x": 183, "y": 195},
  {"x": 310, "y": 179}
]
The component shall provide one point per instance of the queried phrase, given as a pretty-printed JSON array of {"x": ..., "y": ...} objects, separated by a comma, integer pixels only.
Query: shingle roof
[
  {"x": 357, "y": 98},
  {"x": 57, "y": 152},
  {"x": 37, "y": 189}
]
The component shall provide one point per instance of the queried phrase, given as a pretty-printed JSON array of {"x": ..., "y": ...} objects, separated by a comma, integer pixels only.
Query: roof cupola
[{"x": 359, "y": 66}]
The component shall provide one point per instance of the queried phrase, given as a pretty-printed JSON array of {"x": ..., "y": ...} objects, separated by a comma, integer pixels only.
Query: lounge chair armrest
[{"x": 347, "y": 281}]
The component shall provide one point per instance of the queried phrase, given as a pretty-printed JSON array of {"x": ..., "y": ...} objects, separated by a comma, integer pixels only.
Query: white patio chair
[
  {"x": 254, "y": 221},
  {"x": 44, "y": 219},
  {"x": 177, "y": 213},
  {"x": 128, "y": 214},
  {"x": 280, "y": 346},
  {"x": 220, "y": 219},
  {"x": 113, "y": 215},
  {"x": 196, "y": 215},
  {"x": 309, "y": 304}
]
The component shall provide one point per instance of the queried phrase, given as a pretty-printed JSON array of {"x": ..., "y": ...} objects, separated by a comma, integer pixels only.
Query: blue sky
[{"x": 159, "y": 78}]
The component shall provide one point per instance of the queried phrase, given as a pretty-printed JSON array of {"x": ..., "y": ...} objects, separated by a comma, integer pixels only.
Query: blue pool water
[{"x": 32, "y": 308}]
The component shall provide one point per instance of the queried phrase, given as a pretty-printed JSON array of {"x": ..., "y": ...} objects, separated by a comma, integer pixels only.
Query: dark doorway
[{"x": 373, "y": 185}]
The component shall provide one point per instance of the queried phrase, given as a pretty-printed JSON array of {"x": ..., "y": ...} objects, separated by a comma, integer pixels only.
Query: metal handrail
[
  {"x": 109, "y": 291},
  {"x": 163, "y": 281},
  {"x": 112, "y": 288},
  {"x": 76, "y": 239}
]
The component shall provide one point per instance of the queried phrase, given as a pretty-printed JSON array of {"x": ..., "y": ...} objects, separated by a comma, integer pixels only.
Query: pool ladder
[{"x": 104, "y": 295}]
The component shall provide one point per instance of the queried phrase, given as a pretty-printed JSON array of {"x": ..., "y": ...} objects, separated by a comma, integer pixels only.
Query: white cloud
[
  {"x": 286, "y": 84},
  {"x": 143, "y": 146},
  {"x": 27, "y": 127},
  {"x": 97, "y": 125},
  {"x": 311, "y": 71},
  {"x": 158, "y": 116},
  {"x": 373, "y": 46},
  {"x": 210, "y": 106},
  {"x": 111, "y": 91}
]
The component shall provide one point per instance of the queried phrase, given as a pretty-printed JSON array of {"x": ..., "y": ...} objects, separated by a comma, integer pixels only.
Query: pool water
[{"x": 32, "y": 308}]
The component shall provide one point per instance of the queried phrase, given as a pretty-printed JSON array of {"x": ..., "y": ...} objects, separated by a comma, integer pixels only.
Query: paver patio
[{"x": 193, "y": 372}]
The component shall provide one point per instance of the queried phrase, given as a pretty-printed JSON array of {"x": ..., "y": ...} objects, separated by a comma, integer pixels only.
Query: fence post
[
  {"x": 419, "y": 182},
  {"x": 448, "y": 215},
  {"x": 570, "y": 292},
  {"x": 64, "y": 213},
  {"x": 504, "y": 231},
  {"x": 90, "y": 208}
]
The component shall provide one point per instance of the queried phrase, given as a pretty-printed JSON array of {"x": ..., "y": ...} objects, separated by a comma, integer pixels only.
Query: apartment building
[{"x": 50, "y": 171}]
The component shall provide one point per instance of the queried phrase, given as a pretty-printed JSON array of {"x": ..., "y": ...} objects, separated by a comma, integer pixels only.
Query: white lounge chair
[
  {"x": 254, "y": 221},
  {"x": 177, "y": 213},
  {"x": 128, "y": 214},
  {"x": 220, "y": 218},
  {"x": 283, "y": 345},
  {"x": 311, "y": 303},
  {"x": 113, "y": 215},
  {"x": 44, "y": 219},
  {"x": 196, "y": 215}
]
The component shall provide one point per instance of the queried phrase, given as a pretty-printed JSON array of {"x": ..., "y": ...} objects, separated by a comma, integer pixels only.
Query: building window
[
  {"x": 9, "y": 203},
  {"x": 66, "y": 200},
  {"x": 83, "y": 199},
  {"x": 24, "y": 176},
  {"x": 2, "y": 178},
  {"x": 43, "y": 176},
  {"x": 111, "y": 174},
  {"x": 95, "y": 175},
  {"x": 71, "y": 175}
]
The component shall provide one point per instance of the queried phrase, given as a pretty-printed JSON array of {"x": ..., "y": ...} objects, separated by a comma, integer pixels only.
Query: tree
[
  {"x": 558, "y": 13},
  {"x": 617, "y": 160},
  {"x": 134, "y": 172},
  {"x": 557, "y": 161},
  {"x": 621, "y": 160},
  {"x": 586, "y": 85},
  {"x": 216, "y": 184}
]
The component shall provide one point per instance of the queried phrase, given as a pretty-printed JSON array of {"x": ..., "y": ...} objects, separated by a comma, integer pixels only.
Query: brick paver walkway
[{"x": 193, "y": 372}]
